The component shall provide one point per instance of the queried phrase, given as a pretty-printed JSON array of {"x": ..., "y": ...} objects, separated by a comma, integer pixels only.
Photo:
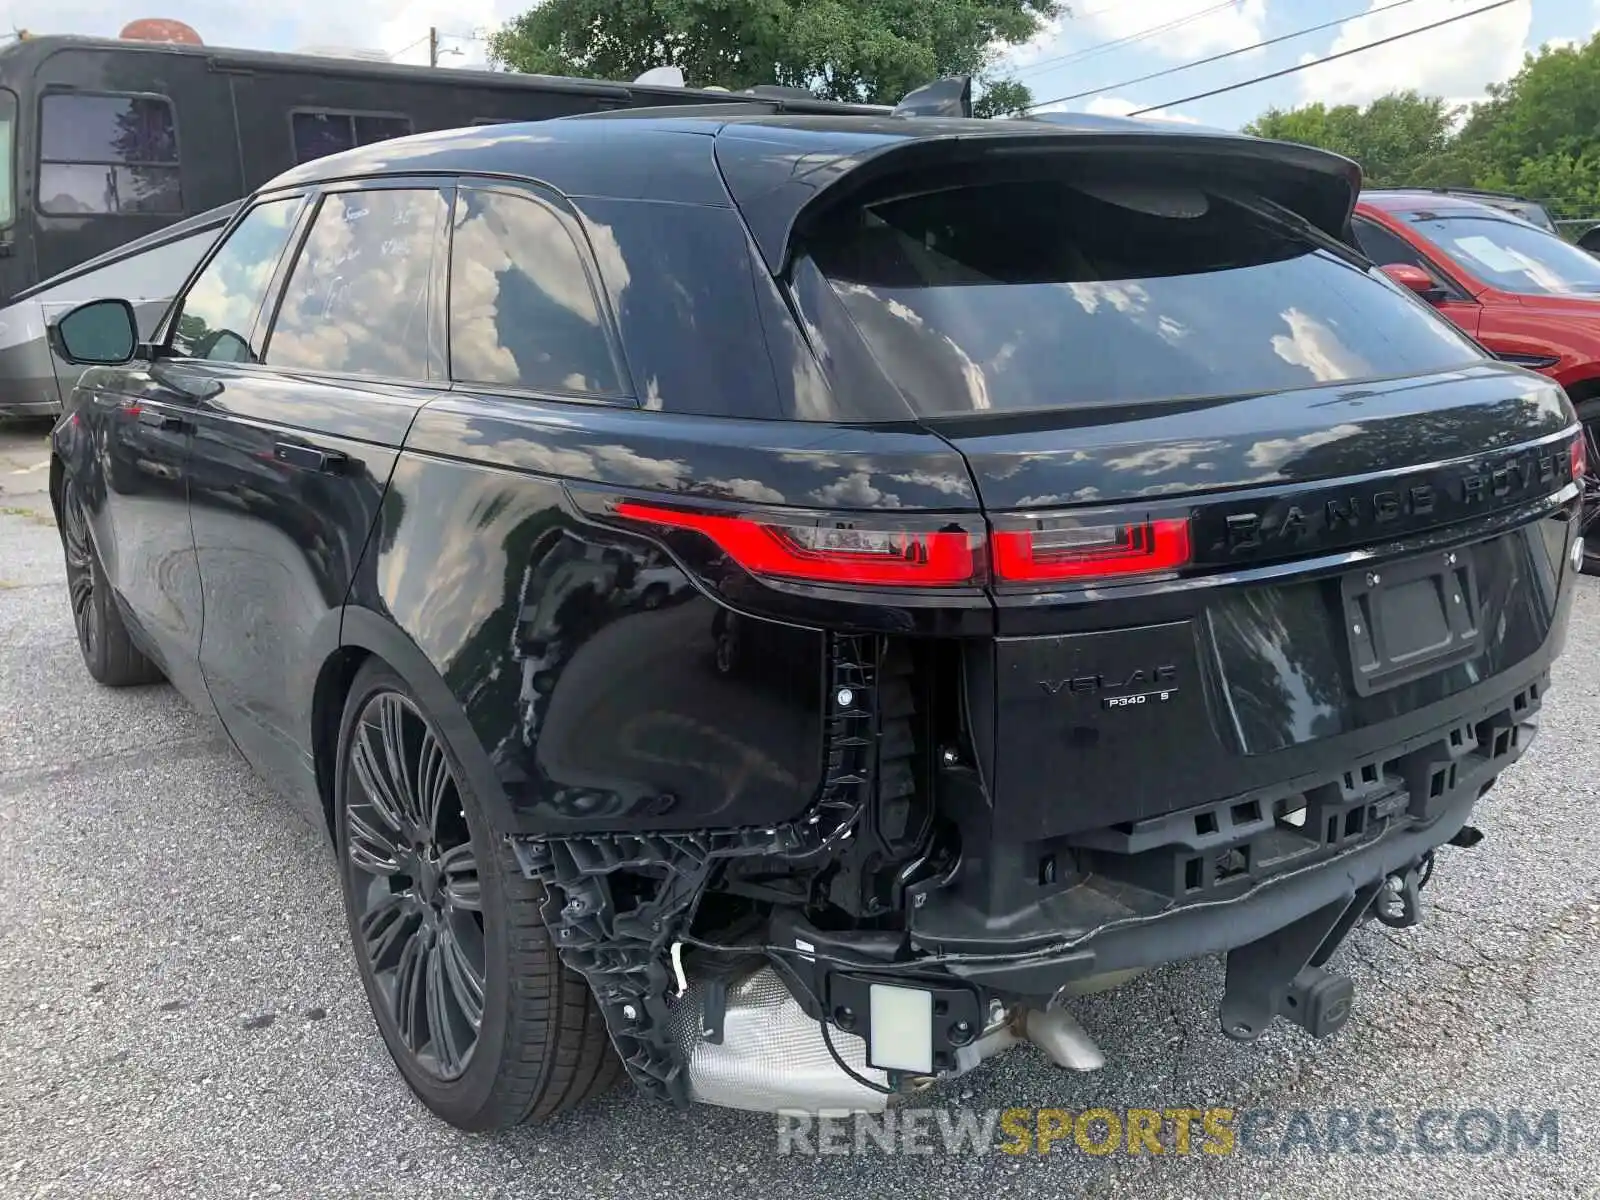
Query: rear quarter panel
[{"x": 582, "y": 658}]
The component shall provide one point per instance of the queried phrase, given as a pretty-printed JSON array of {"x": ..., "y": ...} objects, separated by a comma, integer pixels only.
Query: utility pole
[{"x": 433, "y": 46}]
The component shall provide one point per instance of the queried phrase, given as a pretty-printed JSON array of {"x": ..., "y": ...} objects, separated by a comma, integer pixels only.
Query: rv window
[
  {"x": 320, "y": 133},
  {"x": 108, "y": 154},
  {"x": 522, "y": 310},
  {"x": 380, "y": 129},
  {"x": 357, "y": 300},
  {"x": 8, "y": 127}
]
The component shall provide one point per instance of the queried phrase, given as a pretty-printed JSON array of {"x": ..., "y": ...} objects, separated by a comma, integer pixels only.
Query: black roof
[{"x": 775, "y": 165}]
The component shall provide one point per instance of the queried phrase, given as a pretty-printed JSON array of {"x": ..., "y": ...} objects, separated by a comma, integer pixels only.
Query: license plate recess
[{"x": 1411, "y": 618}]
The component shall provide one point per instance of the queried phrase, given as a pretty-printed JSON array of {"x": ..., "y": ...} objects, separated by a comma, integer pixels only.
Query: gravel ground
[{"x": 179, "y": 1013}]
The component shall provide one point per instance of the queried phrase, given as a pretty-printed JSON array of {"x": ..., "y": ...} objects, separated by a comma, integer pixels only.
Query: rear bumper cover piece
[{"x": 1211, "y": 879}]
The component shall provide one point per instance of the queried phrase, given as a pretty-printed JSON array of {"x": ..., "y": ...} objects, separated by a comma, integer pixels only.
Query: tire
[
  {"x": 1589, "y": 414},
  {"x": 464, "y": 935},
  {"x": 103, "y": 639}
]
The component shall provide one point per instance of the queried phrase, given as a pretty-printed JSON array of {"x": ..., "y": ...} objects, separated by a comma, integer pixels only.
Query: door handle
[
  {"x": 310, "y": 458},
  {"x": 159, "y": 420}
]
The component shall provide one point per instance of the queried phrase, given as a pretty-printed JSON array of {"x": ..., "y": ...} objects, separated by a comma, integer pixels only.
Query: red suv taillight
[
  {"x": 1070, "y": 550},
  {"x": 882, "y": 554},
  {"x": 831, "y": 554}
]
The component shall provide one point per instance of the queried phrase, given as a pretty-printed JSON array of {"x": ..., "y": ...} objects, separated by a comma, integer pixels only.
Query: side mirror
[
  {"x": 1417, "y": 280},
  {"x": 101, "y": 333}
]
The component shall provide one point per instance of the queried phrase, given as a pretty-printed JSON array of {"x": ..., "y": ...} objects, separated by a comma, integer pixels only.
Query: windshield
[
  {"x": 1051, "y": 294},
  {"x": 1513, "y": 256},
  {"x": 8, "y": 131},
  {"x": 1534, "y": 214}
]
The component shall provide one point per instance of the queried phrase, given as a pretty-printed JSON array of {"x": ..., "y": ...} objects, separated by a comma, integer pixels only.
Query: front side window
[
  {"x": 108, "y": 154},
  {"x": 1059, "y": 292},
  {"x": 357, "y": 300},
  {"x": 1384, "y": 248},
  {"x": 1513, "y": 255},
  {"x": 523, "y": 312},
  {"x": 217, "y": 313},
  {"x": 8, "y": 147},
  {"x": 318, "y": 133}
]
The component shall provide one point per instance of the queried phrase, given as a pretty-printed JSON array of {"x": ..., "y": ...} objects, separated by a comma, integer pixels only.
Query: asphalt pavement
[{"x": 179, "y": 1013}]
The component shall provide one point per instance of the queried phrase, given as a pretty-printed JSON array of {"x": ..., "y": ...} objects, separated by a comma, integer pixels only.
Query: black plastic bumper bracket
[{"x": 1282, "y": 974}]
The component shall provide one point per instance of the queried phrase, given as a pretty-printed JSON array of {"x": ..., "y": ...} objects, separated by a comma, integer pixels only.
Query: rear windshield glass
[{"x": 1050, "y": 294}]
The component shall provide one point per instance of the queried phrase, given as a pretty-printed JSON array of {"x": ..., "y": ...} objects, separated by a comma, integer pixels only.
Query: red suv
[{"x": 1527, "y": 296}]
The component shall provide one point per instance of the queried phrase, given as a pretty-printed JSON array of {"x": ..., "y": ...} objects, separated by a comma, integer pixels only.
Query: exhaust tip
[{"x": 1065, "y": 1042}]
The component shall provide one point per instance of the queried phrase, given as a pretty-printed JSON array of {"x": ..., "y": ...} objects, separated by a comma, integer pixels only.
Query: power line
[
  {"x": 1128, "y": 39},
  {"x": 411, "y": 45},
  {"x": 1200, "y": 62},
  {"x": 1317, "y": 62},
  {"x": 474, "y": 36}
]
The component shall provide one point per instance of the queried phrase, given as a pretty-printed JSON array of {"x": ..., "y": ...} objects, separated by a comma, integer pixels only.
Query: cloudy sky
[{"x": 1105, "y": 44}]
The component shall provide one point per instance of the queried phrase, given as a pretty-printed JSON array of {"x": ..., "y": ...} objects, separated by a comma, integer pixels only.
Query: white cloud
[
  {"x": 288, "y": 25},
  {"x": 1044, "y": 43},
  {"x": 1191, "y": 35},
  {"x": 1116, "y": 106},
  {"x": 1456, "y": 60}
]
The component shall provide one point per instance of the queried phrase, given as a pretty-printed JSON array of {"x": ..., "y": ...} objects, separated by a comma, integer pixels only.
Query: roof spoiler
[
  {"x": 947, "y": 97},
  {"x": 778, "y": 192}
]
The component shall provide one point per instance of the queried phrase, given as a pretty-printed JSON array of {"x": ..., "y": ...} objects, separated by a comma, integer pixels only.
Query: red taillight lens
[
  {"x": 1090, "y": 551},
  {"x": 1580, "y": 456},
  {"x": 824, "y": 554}
]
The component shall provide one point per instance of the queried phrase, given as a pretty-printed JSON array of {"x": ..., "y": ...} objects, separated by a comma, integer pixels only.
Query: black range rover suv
[{"x": 780, "y": 605}]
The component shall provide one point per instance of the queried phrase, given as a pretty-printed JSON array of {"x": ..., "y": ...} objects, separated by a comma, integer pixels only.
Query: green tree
[
  {"x": 870, "y": 51},
  {"x": 1401, "y": 138},
  {"x": 1002, "y": 98},
  {"x": 1539, "y": 132}
]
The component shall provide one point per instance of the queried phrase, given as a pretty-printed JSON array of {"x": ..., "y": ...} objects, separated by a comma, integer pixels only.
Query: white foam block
[{"x": 902, "y": 1029}]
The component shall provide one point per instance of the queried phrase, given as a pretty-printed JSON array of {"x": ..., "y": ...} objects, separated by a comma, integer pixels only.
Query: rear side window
[
  {"x": 357, "y": 300},
  {"x": 1055, "y": 293},
  {"x": 219, "y": 309},
  {"x": 108, "y": 154},
  {"x": 523, "y": 311}
]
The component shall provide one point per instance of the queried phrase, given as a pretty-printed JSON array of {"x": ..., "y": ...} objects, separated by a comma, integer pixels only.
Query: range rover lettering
[{"x": 777, "y": 606}]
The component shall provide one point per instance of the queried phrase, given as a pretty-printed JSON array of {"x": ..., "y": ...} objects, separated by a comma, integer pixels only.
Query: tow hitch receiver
[{"x": 1282, "y": 975}]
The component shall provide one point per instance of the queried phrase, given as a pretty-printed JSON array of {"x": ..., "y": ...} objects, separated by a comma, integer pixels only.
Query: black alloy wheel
[
  {"x": 484, "y": 1022},
  {"x": 108, "y": 649},
  {"x": 79, "y": 554},
  {"x": 413, "y": 874}
]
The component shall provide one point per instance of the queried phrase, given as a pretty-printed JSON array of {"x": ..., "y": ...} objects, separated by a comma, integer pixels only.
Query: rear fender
[
  {"x": 371, "y": 633},
  {"x": 574, "y": 666}
]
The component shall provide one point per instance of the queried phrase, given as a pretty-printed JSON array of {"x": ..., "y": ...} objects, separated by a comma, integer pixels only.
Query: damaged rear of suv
[
  {"x": 1235, "y": 592},
  {"x": 971, "y": 563}
]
